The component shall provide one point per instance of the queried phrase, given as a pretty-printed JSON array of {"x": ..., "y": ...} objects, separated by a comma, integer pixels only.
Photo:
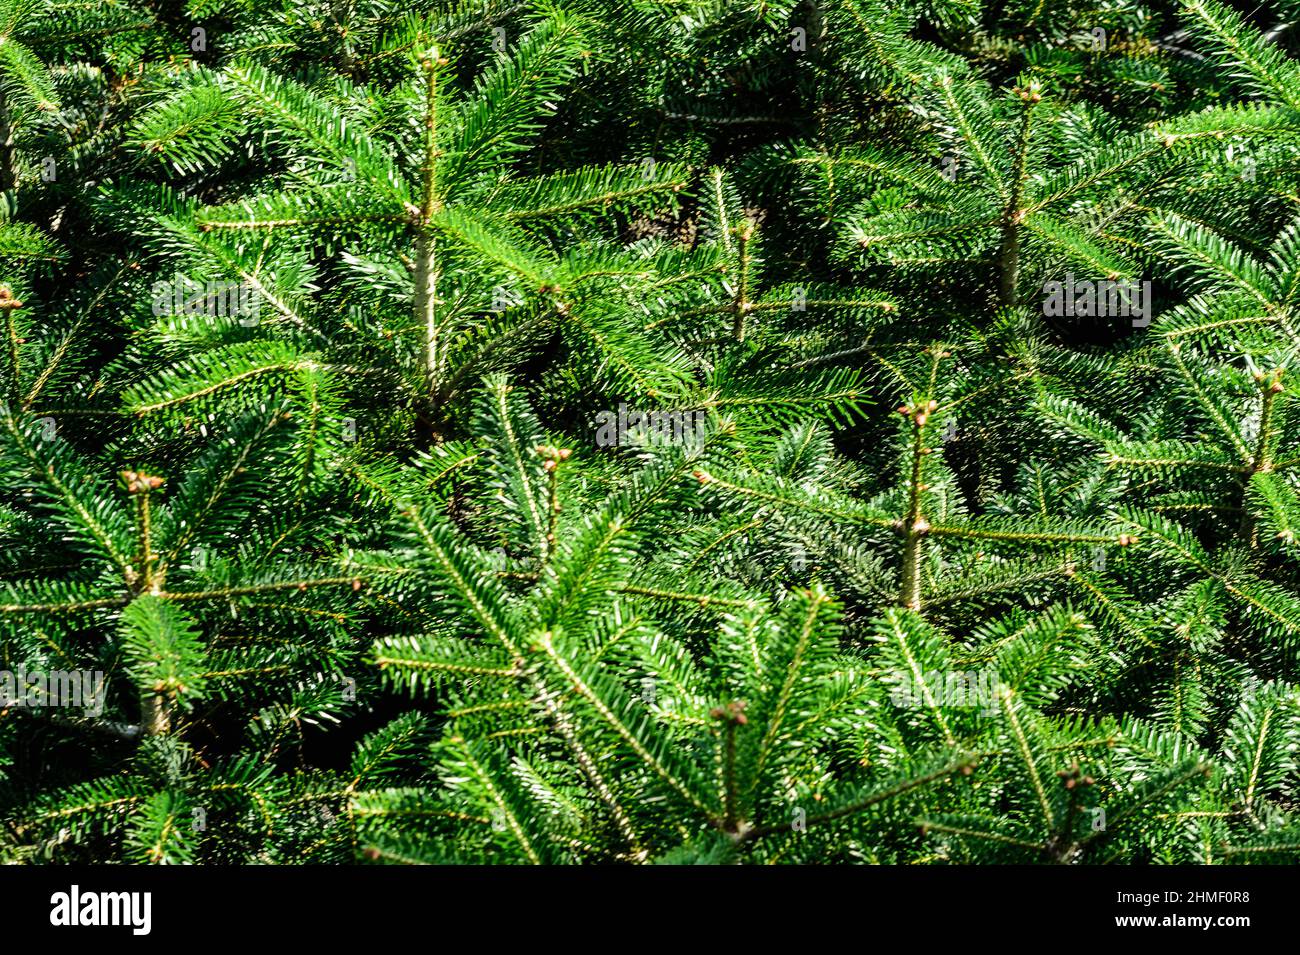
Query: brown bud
[
  {"x": 1031, "y": 92},
  {"x": 137, "y": 482},
  {"x": 733, "y": 711}
]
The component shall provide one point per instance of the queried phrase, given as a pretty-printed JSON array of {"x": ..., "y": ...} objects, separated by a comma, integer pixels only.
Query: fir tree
[{"x": 346, "y": 354}]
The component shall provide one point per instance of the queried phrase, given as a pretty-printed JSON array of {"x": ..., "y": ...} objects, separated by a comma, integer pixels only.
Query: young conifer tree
[{"x": 342, "y": 524}]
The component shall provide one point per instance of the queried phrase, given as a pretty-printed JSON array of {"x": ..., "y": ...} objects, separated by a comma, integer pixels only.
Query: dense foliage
[{"x": 569, "y": 431}]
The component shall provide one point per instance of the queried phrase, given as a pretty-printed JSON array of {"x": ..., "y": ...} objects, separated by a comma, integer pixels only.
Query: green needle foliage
[{"x": 561, "y": 432}]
